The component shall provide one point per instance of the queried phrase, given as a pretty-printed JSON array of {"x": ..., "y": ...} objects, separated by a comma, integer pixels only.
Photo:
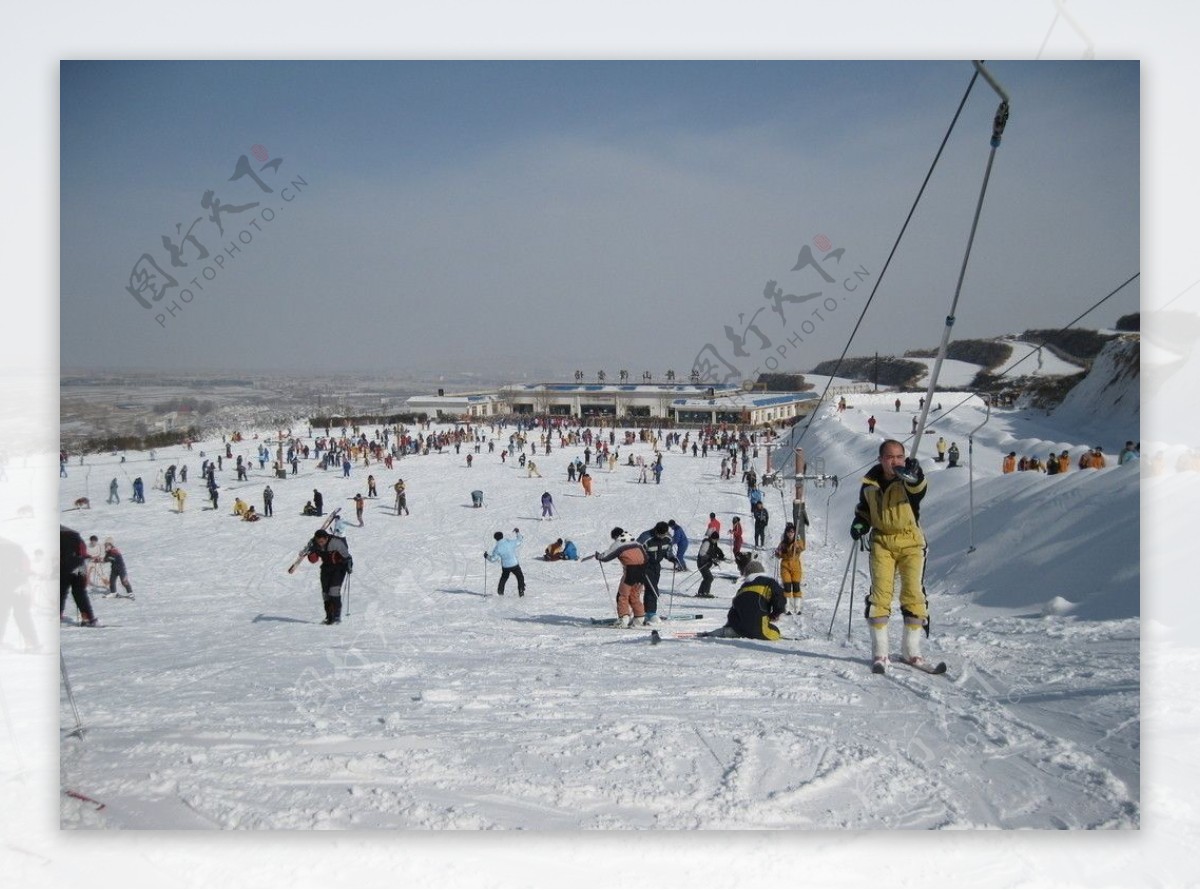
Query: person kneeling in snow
[{"x": 756, "y": 606}]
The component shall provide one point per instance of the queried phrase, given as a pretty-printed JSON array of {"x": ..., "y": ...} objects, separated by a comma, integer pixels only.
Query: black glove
[
  {"x": 912, "y": 472},
  {"x": 858, "y": 529},
  {"x": 349, "y": 566}
]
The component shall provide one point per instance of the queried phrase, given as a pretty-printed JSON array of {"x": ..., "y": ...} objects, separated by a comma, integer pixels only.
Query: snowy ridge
[{"x": 1109, "y": 394}]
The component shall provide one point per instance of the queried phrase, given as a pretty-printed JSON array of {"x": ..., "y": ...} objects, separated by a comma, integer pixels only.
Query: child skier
[{"x": 116, "y": 568}]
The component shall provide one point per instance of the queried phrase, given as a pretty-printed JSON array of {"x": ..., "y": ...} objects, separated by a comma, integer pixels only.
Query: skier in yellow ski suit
[{"x": 889, "y": 507}]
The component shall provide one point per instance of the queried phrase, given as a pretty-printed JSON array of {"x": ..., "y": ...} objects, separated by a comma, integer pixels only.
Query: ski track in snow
[{"x": 217, "y": 701}]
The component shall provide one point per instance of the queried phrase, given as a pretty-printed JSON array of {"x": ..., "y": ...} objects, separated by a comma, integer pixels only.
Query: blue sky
[{"x": 550, "y": 215}]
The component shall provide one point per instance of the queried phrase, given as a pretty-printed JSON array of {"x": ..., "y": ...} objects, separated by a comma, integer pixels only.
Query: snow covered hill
[{"x": 216, "y": 700}]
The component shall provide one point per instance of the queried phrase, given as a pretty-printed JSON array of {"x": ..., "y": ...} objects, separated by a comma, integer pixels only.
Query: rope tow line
[
  {"x": 998, "y": 124},
  {"x": 895, "y": 246}
]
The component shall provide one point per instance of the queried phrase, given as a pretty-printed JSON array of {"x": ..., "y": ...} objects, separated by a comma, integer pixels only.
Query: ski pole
[
  {"x": 853, "y": 578},
  {"x": 654, "y": 587},
  {"x": 485, "y": 562},
  {"x": 853, "y": 551},
  {"x": 603, "y": 575},
  {"x": 62, "y": 661},
  {"x": 346, "y": 593}
]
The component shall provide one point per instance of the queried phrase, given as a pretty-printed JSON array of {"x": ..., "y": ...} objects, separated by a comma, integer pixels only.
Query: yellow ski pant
[{"x": 901, "y": 553}]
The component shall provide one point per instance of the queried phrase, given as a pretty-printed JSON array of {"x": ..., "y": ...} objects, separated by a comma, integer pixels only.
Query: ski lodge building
[{"x": 683, "y": 403}]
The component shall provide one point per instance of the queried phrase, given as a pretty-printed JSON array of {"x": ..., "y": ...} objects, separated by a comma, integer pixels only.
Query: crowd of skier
[{"x": 886, "y": 518}]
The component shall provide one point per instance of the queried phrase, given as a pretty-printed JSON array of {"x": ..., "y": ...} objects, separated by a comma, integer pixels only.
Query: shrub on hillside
[{"x": 887, "y": 371}]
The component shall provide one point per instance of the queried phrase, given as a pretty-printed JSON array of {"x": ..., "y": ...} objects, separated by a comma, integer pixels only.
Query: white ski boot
[
  {"x": 911, "y": 646},
  {"x": 879, "y": 648}
]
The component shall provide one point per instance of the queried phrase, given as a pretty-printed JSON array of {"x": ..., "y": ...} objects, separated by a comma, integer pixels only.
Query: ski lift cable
[
  {"x": 973, "y": 395},
  {"x": 1112, "y": 293},
  {"x": 895, "y": 246},
  {"x": 998, "y": 124},
  {"x": 1072, "y": 322}
]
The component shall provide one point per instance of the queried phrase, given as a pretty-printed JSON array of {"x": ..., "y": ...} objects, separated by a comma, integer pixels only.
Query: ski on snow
[
  {"x": 611, "y": 622},
  {"x": 83, "y": 797},
  {"x": 924, "y": 666}
]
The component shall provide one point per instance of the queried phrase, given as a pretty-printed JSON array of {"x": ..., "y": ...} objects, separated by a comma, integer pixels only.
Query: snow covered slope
[{"x": 215, "y": 700}]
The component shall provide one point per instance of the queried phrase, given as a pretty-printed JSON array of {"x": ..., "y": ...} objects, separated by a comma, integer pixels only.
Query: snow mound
[{"x": 1058, "y": 606}]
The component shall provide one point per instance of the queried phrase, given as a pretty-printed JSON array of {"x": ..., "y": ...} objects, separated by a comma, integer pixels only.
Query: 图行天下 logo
[
  {"x": 195, "y": 254},
  {"x": 762, "y": 345}
]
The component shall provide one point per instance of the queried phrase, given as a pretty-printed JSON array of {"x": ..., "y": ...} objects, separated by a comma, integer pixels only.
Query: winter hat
[
  {"x": 499, "y": 536},
  {"x": 753, "y": 567},
  {"x": 661, "y": 528},
  {"x": 320, "y": 533},
  {"x": 616, "y": 532}
]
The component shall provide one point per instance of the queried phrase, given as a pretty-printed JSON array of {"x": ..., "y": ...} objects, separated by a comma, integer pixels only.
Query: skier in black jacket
[
  {"x": 72, "y": 562},
  {"x": 756, "y": 606},
  {"x": 659, "y": 546},
  {"x": 709, "y": 555},
  {"x": 761, "y": 518},
  {"x": 336, "y": 563}
]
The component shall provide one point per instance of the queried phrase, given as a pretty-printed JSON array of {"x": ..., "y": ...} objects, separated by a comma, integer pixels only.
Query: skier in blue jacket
[
  {"x": 680, "y": 539},
  {"x": 505, "y": 553}
]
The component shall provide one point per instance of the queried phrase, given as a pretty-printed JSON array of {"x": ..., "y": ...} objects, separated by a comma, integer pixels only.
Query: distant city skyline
[{"x": 481, "y": 216}]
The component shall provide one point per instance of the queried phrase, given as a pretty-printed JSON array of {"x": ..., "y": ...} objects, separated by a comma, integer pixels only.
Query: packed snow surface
[{"x": 216, "y": 699}]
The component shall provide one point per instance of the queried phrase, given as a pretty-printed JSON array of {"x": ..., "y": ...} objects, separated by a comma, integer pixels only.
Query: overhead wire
[
  {"x": 895, "y": 246},
  {"x": 1112, "y": 293}
]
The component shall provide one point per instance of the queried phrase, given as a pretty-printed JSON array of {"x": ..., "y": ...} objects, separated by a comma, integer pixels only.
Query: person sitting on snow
[{"x": 756, "y": 606}]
